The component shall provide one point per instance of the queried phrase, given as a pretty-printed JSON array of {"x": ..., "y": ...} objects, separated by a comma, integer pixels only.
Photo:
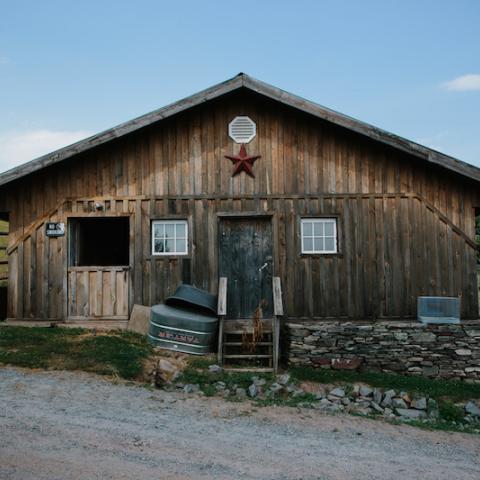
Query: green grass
[
  {"x": 450, "y": 412},
  {"x": 118, "y": 353},
  {"x": 454, "y": 390}
]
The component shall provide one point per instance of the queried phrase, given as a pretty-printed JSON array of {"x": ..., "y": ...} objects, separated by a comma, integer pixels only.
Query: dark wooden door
[{"x": 246, "y": 259}]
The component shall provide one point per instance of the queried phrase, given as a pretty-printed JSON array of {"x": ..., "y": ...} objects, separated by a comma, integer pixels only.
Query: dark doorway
[
  {"x": 99, "y": 242},
  {"x": 4, "y": 228},
  {"x": 246, "y": 259}
]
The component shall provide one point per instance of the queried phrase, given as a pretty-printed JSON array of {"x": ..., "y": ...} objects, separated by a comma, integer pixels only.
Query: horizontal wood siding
[{"x": 405, "y": 227}]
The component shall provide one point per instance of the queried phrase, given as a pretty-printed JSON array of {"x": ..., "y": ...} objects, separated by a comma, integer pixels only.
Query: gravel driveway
[{"x": 64, "y": 425}]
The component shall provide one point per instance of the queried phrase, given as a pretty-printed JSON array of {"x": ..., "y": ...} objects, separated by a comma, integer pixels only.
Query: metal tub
[
  {"x": 182, "y": 329},
  {"x": 191, "y": 297}
]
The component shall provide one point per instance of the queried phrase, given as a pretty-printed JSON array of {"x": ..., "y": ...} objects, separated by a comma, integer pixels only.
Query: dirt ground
[{"x": 64, "y": 425}]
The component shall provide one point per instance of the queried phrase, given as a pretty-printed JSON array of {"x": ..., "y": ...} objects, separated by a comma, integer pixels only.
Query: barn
[{"x": 247, "y": 182}]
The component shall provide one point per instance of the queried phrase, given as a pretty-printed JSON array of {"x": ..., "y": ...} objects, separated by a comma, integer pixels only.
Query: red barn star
[{"x": 243, "y": 161}]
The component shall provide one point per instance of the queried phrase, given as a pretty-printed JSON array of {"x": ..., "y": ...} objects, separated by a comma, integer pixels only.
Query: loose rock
[
  {"x": 215, "y": 369},
  {"x": 365, "y": 391},
  {"x": 253, "y": 390},
  {"x": 337, "y": 392},
  {"x": 410, "y": 413},
  {"x": 220, "y": 386},
  {"x": 320, "y": 393},
  {"x": 259, "y": 382},
  {"x": 283, "y": 379},
  {"x": 399, "y": 403},
  {"x": 377, "y": 396},
  {"x": 241, "y": 393},
  {"x": 387, "y": 399},
  {"x": 191, "y": 388},
  {"x": 276, "y": 388},
  {"x": 419, "y": 403},
  {"x": 298, "y": 392},
  {"x": 472, "y": 409}
]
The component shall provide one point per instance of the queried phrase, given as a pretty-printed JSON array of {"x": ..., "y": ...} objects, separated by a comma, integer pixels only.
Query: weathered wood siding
[
  {"x": 98, "y": 292},
  {"x": 406, "y": 228}
]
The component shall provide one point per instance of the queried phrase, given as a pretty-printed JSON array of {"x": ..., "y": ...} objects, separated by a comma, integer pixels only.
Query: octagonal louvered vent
[{"x": 242, "y": 129}]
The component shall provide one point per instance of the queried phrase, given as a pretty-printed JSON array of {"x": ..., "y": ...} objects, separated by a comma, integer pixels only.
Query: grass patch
[
  {"x": 118, "y": 353},
  {"x": 305, "y": 400},
  {"x": 450, "y": 412},
  {"x": 437, "y": 389}
]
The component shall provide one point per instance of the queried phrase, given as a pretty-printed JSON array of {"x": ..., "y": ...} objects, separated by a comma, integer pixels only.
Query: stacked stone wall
[{"x": 411, "y": 348}]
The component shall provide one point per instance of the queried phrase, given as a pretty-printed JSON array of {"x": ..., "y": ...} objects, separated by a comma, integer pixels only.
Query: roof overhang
[{"x": 244, "y": 81}]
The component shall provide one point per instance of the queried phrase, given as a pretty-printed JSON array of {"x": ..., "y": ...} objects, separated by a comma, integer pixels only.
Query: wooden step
[
  {"x": 242, "y": 326},
  {"x": 246, "y": 355},
  {"x": 248, "y": 332},
  {"x": 262, "y": 355},
  {"x": 249, "y": 369}
]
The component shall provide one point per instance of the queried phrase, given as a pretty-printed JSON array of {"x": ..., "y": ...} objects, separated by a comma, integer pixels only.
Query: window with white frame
[
  {"x": 319, "y": 235},
  {"x": 169, "y": 237}
]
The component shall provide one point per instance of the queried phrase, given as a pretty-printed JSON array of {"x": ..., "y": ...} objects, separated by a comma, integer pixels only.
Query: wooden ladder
[{"x": 233, "y": 333}]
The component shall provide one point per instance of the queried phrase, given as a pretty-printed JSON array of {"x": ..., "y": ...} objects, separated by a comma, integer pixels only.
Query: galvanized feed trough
[
  {"x": 186, "y": 323},
  {"x": 438, "y": 309}
]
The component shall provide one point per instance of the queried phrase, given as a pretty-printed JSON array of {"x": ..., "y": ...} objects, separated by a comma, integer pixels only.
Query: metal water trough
[
  {"x": 187, "y": 322},
  {"x": 438, "y": 310}
]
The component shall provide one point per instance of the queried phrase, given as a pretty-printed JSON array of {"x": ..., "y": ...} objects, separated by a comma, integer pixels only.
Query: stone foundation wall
[{"x": 410, "y": 348}]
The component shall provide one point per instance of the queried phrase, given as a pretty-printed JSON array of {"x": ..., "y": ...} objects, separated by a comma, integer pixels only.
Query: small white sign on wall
[{"x": 55, "y": 229}]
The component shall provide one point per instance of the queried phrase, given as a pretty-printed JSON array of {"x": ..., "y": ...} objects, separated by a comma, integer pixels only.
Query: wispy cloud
[
  {"x": 464, "y": 83},
  {"x": 435, "y": 141},
  {"x": 19, "y": 147}
]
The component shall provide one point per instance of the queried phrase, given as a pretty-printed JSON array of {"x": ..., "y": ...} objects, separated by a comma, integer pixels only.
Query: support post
[{"x": 221, "y": 312}]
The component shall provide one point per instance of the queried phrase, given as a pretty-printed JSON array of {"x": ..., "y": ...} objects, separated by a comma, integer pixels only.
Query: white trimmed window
[
  {"x": 319, "y": 235},
  {"x": 169, "y": 237}
]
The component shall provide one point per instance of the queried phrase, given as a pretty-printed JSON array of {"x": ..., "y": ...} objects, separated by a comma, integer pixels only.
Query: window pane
[
  {"x": 158, "y": 229},
  {"x": 329, "y": 244},
  {"x": 169, "y": 246},
  {"x": 318, "y": 229},
  {"x": 318, "y": 245},
  {"x": 158, "y": 247},
  {"x": 307, "y": 244},
  {"x": 169, "y": 230},
  {"x": 307, "y": 229},
  {"x": 329, "y": 229},
  {"x": 181, "y": 230},
  {"x": 181, "y": 246}
]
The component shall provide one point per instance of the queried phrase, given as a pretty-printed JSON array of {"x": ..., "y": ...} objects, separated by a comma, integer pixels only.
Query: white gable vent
[{"x": 242, "y": 129}]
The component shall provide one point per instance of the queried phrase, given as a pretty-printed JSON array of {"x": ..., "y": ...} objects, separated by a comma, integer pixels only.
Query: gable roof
[{"x": 244, "y": 81}]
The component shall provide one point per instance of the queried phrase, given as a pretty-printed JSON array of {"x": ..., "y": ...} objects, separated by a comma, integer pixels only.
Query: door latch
[{"x": 263, "y": 266}]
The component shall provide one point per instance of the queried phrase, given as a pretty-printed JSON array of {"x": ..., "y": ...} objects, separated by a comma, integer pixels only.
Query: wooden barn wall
[{"x": 402, "y": 223}]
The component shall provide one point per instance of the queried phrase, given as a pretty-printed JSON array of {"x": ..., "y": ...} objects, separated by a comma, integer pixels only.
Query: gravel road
[{"x": 64, "y": 425}]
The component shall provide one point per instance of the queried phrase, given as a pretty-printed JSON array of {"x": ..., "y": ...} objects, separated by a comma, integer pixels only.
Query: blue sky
[{"x": 71, "y": 69}]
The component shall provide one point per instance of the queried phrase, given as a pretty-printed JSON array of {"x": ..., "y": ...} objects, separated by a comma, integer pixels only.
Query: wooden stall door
[
  {"x": 98, "y": 293},
  {"x": 246, "y": 259}
]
